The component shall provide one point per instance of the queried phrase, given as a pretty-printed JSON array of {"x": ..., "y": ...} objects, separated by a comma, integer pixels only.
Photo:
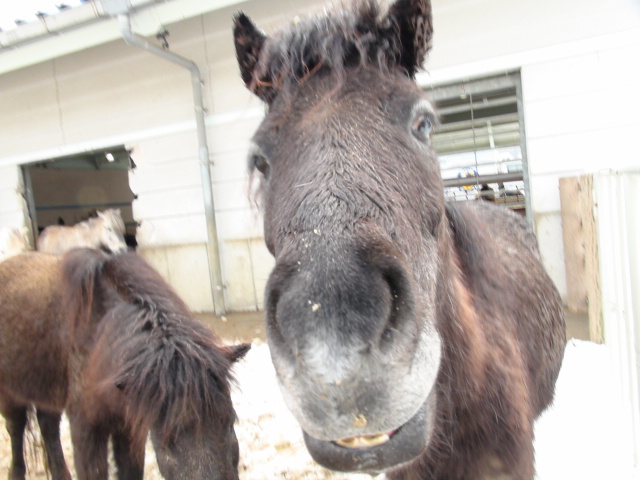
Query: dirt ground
[{"x": 271, "y": 444}]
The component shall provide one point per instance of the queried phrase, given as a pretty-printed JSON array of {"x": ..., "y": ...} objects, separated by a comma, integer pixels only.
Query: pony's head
[
  {"x": 151, "y": 366},
  {"x": 354, "y": 214},
  {"x": 111, "y": 230}
]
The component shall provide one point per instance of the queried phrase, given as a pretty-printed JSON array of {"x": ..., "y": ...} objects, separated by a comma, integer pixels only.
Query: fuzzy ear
[
  {"x": 413, "y": 18},
  {"x": 249, "y": 41},
  {"x": 236, "y": 352}
]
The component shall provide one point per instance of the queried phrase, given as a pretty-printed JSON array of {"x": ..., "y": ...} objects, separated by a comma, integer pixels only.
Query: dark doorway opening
[{"x": 71, "y": 189}]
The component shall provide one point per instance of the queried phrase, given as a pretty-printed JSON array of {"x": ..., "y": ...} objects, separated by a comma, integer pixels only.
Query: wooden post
[{"x": 581, "y": 251}]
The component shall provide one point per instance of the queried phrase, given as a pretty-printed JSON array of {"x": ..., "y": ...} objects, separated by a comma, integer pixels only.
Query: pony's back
[
  {"x": 33, "y": 333},
  {"x": 58, "y": 239}
]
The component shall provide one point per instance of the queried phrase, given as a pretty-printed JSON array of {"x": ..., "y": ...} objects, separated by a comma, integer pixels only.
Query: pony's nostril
[
  {"x": 273, "y": 297},
  {"x": 401, "y": 304}
]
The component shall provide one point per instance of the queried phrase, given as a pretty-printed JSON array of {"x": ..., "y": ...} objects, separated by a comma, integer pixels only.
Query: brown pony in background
[
  {"x": 409, "y": 335},
  {"x": 104, "y": 337}
]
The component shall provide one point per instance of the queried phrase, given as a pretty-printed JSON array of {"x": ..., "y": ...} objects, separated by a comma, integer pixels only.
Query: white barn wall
[
  {"x": 578, "y": 62},
  {"x": 576, "y": 58}
]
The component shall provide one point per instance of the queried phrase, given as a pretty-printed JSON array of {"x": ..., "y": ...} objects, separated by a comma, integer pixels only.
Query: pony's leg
[
  {"x": 50, "y": 429},
  {"x": 16, "y": 422},
  {"x": 90, "y": 449},
  {"x": 130, "y": 462}
]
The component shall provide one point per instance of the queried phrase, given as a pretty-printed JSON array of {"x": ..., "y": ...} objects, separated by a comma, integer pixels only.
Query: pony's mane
[
  {"x": 170, "y": 366},
  {"x": 349, "y": 35}
]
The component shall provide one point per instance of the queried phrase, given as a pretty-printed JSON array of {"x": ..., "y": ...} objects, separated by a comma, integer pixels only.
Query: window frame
[{"x": 438, "y": 93}]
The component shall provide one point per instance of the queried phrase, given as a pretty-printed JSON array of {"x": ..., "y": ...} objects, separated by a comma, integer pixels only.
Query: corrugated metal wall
[{"x": 617, "y": 200}]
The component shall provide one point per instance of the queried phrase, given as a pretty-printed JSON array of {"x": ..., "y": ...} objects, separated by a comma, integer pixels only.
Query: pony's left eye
[{"x": 422, "y": 126}]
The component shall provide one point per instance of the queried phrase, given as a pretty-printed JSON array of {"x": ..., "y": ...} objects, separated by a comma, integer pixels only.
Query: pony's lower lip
[
  {"x": 376, "y": 453},
  {"x": 365, "y": 441}
]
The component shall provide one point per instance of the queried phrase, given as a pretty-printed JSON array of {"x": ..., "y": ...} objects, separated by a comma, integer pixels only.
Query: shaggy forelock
[{"x": 346, "y": 35}]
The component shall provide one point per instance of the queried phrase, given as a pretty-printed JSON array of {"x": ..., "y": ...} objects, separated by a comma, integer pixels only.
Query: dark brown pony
[
  {"x": 409, "y": 335},
  {"x": 105, "y": 338}
]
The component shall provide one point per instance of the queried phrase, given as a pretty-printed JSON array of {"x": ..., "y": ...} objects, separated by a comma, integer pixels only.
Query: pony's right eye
[{"x": 260, "y": 163}]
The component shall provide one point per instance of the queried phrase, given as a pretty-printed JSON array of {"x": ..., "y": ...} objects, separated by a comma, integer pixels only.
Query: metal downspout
[{"x": 203, "y": 153}]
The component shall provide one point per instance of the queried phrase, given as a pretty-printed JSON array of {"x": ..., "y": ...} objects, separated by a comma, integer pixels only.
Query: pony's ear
[
  {"x": 236, "y": 352},
  {"x": 413, "y": 20},
  {"x": 249, "y": 41}
]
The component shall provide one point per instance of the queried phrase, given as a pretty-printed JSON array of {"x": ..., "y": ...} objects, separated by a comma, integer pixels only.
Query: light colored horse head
[
  {"x": 13, "y": 241},
  {"x": 109, "y": 228}
]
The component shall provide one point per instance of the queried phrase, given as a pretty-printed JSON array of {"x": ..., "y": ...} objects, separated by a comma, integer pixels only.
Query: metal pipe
[
  {"x": 215, "y": 271},
  {"x": 496, "y": 178}
]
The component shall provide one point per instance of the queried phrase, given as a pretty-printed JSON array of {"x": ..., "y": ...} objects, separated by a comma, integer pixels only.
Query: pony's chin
[{"x": 374, "y": 454}]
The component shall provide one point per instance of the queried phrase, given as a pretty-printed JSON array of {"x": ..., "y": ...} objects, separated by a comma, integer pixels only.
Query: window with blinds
[{"x": 480, "y": 140}]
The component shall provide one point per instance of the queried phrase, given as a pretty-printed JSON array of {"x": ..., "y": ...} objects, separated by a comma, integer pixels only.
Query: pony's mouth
[
  {"x": 376, "y": 453},
  {"x": 365, "y": 441}
]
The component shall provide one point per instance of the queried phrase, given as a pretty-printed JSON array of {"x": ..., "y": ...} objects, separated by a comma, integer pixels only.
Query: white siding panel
[
  {"x": 545, "y": 194},
  {"x": 621, "y": 67},
  {"x": 234, "y": 224},
  {"x": 579, "y": 152},
  {"x": 179, "y": 175},
  {"x": 468, "y": 31},
  {"x": 29, "y": 115},
  {"x": 589, "y": 113},
  {"x": 10, "y": 201},
  {"x": 584, "y": 151},
  {"x": 19, "y": 137},
  {"x": 230, "y": 167},
  {"x": 233, "y": 136},
  {"x": 185, "y": 269},
  {"x": 247, "y": 265},
  {"x": 549, "y": 234},
  {"x": 27, "y": 90},
  {"x": 167, "y": 148},
  {"x": 263, "y": 262},
  {"x": 169, "y": 203},
  {"x": 229, "y": 92},
  {"x": 231, "y": 196},
  {"x": 185, "y": 229},
  {"x": 622, "y": 151},
  {"x": 10, "y": 178},
  {"x": 240, "y": 292},
  {"x": 571, "y": 76},
  {"x": 189, "y": 273},
  {"x": 13, "y": 218},
  {"x": 134, "y": 90},
  {"x": 157, "y": 258}
]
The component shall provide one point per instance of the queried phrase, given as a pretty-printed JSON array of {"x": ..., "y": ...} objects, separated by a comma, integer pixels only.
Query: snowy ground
[{"x": 583, "y": 436}]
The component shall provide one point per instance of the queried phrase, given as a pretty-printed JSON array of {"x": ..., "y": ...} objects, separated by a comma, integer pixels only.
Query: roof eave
[{"x": 88, "y": 25}]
